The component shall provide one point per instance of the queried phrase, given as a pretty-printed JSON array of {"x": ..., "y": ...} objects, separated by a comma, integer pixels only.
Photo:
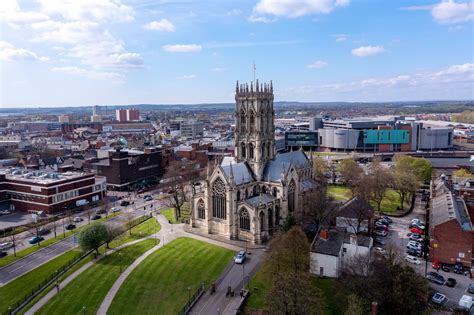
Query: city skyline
[{"x": 66, "y": 53}]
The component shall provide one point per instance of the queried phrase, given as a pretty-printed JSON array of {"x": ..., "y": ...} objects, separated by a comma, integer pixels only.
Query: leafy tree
[
  {"x": 319, "y": 167},
  {"x": 409, "y": 172},
  {"x": 463, "y": 173},
  {"x": 351, "y": 173},
  {"x": 292, "y": 291},
  {"x": 112, "y": 233},
  {"x": 355, "y": 305},
  {"x": 423, "y": 169},
  {"x": 372, "y": 187},
  {"x": 92, "y": 237}
]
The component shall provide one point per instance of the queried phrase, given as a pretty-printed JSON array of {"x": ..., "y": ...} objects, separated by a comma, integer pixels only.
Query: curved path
[{"x": 52, "y": 293}]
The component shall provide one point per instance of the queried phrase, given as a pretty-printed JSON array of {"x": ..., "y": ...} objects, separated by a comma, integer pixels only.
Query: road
[
  {"x": 398, "y": 237},
  {"x": 234, "y": 277},
  {"x": 32, "y": 261}
]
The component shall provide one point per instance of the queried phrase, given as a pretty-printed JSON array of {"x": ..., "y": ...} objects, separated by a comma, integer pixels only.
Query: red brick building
[{"x": 27, "y": 190}]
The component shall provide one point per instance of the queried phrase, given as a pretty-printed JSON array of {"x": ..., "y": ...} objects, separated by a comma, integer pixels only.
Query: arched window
[
  {"x": 243, "y": 121},
  {"x": 219, "y": 200},
  {"x": 270, "y": 218},
  {"x": 277, "y": 215},
  {"x": 264, "y": 189},
  {"x": 269, "y": 149},
  {"x": 275, "y": 191},
  {"x": 246, "y": 193},
  {"x": 201, "y": 209},
  {"x": 244, "y": 220},
  {"x": 238, "y": 195},
  {"x": 264, "y": 153},
  {"x": 252, "y": 121},
  {"x": 251, "y": 150},
  {"x": 243, "y": 149},
  {"x": 255, "y": 190},
  {"x": 262, "y": 221},
  {"x": 291, "y": 196}
]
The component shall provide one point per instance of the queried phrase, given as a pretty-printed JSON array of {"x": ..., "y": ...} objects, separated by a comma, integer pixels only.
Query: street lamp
[
  {"x": 84, "y": 310},
  {"x": 120, "y": 261},
  {"x": 189, "y": 295}
]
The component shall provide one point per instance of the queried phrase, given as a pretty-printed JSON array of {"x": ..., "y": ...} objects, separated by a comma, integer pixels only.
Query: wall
[
  {"x": 435, "y": 139},
  {"x": 330, "y": 264},
  {"x": 448, "y": 240},
  {"x": 339, "y": 138}
]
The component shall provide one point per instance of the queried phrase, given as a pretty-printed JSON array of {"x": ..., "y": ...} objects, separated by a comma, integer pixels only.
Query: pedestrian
[{"x": 57, "y": 286}]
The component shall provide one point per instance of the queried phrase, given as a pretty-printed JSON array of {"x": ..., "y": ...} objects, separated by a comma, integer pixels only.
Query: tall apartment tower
[{"x": 254, "y": 125}]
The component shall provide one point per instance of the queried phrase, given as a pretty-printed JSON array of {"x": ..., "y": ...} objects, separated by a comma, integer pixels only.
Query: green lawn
[
  {"x": 159, "y": 285},
  {"x": 170, "y": 215},
  {"x": 90, "y": 288},
  {"x": 339, "y": 192},
  {"x": 261, "y": 283},
  {"x": 60, "y": 236},
  {"x": 15, "y": 290}
]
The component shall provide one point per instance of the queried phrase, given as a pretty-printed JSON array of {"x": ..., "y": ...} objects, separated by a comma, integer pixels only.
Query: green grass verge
[
  {"x": 15, "y": 290},
  {"x": 170, "y": 215},
  {"x": 260, "y": 284},
  {"x": 159, "y": 285},
  {"x": 33, "y": 248},
  {"x": 90, "y": 288},
  {"x": 340, "y": 193}
]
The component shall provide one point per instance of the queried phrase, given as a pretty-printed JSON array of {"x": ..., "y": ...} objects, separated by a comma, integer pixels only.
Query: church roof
[
  {"x": 262, "y": 198},
  {"x": 273, "y": 168},
  {"x": 241, "y": 171}
]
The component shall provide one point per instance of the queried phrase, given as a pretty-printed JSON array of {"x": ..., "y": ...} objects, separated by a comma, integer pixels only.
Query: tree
[
  {"x": 355, "y": 305},
  {"x": 92, "y": 237},
  {"x": 292, "y": 291},
  {"x": 463, "y": 173},
  {"x": 112, "y": 233},
  {"x": 408, "y": 177},
  {"x": 372, "y": 187},
  {"x": 423, "y": 169},
  {"x": 176, "y": 179},
  {"x": 351, "y": 173},
  {"x": 319, "y": 168},
  {"x": 318, "y": 207}
]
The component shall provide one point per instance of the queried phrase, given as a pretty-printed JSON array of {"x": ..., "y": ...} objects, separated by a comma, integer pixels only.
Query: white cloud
[
  {"x": 11, "y": 13},
  {"x": 161, "y": 25},
  {"x": 293, "y": 9},
  {"x": 182, "y": 48},
  {"x": 366, "y": 51},
  {"x": 98, "y": 75},
  {"x": 319, "y": 64},
  {"x": 9, "y": 53},
  {"x": 341, "y": 37},
  {"x": 188, "y": 76},
  {"x": 217, "y": 69},
  {"x": 451, "y": 12}
]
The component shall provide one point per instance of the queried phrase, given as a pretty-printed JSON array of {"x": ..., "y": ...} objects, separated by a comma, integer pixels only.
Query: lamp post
[
  {"x": 120, "y": 261},
  {"x": 189, "y": 295},
  {"x": 83, "y": 310}
]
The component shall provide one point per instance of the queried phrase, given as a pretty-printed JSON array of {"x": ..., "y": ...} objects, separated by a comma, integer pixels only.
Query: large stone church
[{"x": 248, "y": 196}]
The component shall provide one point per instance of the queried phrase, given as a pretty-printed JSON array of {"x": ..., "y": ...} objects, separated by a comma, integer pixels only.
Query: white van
[{"x": 465, "y": 302}]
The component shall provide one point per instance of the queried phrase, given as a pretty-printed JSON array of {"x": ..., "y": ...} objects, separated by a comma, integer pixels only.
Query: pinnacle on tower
[
  {"x": 256, "y": 86},
  {"x": 251, "y": 87},
  {"x": 237, "y": 87}
]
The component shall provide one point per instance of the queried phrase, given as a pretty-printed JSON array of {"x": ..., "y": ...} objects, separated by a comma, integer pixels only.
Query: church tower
[{"x": 254, "y": 125}]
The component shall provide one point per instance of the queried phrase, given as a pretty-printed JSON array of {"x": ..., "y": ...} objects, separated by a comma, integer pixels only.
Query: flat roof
[{"x": 39, "y": 177}]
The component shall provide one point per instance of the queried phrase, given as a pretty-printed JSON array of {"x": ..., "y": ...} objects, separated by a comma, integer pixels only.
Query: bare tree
[
  {"x": 320, "y": 167},
  {"x": 318, "y": 207},
  {"x": 113, "y": 232},
  {"x": 351, "y": 173},
  {"x": 176, "y": 178}
]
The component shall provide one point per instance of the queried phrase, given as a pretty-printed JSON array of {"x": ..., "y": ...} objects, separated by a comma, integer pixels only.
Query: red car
[
  {"x": 436, "y": 264},
  {"x": 416, "y": 231}
]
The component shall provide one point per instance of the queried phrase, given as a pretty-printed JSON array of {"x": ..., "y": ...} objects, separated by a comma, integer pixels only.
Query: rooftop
[{"x": 39, "y": 177}]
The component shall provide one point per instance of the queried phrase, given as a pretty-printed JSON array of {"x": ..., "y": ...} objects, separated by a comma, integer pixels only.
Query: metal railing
[{"x": 192, "y": 299}]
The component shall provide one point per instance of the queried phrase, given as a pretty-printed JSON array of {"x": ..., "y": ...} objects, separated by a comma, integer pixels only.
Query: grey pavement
[
  {"x": 39, "y": 257},
  {"x": 398, "y": 237}
]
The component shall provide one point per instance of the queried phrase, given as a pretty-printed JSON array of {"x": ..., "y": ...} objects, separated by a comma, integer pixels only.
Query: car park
[
  {"x": 451, "y": 282},
  {"x": 384, "y": 221},
  {"x": 380, "y": 223},
  {"x": 70, "y": 226},
  {"x": 435, "y": 278},
  {"x": 6, "y": 245},
  {"x": 416, "y": 237},
  {"x": 380, "y": 233},
  {"x": 414, "y": 252},
  {"x": 77, "y": 219},
  {"x": 96, "y": 217},
  {"x": 240, "y": 257},
  {"x": 415, "y": 244},
  {"x": 412, "y": 260},
  {"x": 417, "y": 225},
  {"x": 35, "y": 239},
  {"x": 470, "y": 288},
  {"x": 438, "y": 298},
  {"x": 416, "y": 231},
  {"x": 416, "y": 221},
  {"x": 411, "y": 246}
]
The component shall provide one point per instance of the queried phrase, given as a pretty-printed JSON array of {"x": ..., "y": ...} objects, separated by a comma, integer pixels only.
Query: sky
[{"x": 73, "y": 53}]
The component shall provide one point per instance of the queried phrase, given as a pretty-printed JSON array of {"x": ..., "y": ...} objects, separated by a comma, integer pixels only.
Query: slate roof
[
  {"x": 361, "y": 240},
  {"x": 356, "y": 208},
  {"x": 273, "y": 168},
  {"x": 331, "y": 246},
  {"x": 241, "y": 171},
  {"x": 262, "y": 198}
]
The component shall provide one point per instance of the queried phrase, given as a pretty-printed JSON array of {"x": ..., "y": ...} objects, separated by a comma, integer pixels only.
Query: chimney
[
  {"x": 373, "y": 310},
  {"x": 353, "y": 239},
  {"x": 324, "y": 234}
]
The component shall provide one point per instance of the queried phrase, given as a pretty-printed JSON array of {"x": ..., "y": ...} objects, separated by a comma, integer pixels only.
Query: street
[{"x": 39, "y": 257}]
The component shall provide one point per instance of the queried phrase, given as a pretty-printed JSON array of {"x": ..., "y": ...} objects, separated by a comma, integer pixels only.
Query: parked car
[
  {"x": 96, "y": 217},
  {"x": 381, "y": 228},
  {"x": 388, "y": 219},
  {"x": 416, "y": 237},
  {"x": 470, "y": 288},
  {"x": 70, "y": 226},
  {"x": 240, "y": 257},
  {"x": 445, "y": 268},
  {"x": 416, "y": 221},
  {"x": 438, "y": 298},
  {"x": 436, "y": 265},
  {"x": 148, "y": 198},
  {"x": 412, "y": 260},
  {"x": 379, "y": 240},
  {"x": 435, "y": 278},
  {"x": 417, "y": 231},
  {"x": 411, "y": 246},
  {"x": 451, "y": 282},
  {"x": 380, "y": 233},
  {"x": 115, "y": 209},
  {"x": 77, "y": 219},
  {"x": 124, "y": 203},
  {"x": 43, "y": 231},
  {"x": 380, "y": 223},
  {"x": 35, "y": 239},
  {"x": 5, "y": 212},
  {"x": 99, "y": 211},
  {"x": 380, "y": 251},
  {"x": 458, "y": 268},
  {"x": 414, "y": 252},
  {"x": 465, "y": 303},
  {"x": 414, "y": 243},
  {"x": 3, "y": 254},
  {"x": 417, "y": 225},
  {"x": 7, "y": 245},
  {"x": 384, "y": 221}
]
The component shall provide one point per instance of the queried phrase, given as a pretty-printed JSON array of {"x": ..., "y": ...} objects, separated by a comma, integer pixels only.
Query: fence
[
  {"x": 13, "y": 309},
  {"x": 192, "y": 300},
  {"x": 46, "y": 283}
]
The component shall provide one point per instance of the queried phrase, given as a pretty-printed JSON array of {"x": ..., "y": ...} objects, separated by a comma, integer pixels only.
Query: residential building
[
  {"x": 47, "y": 191},
  {"x": 192, "y": 129},
  {"x": 124, "y": 115}
]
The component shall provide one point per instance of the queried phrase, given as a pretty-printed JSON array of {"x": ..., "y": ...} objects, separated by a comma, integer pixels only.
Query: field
[
  {"x": 159, "y": 285},
  {"x": 89, "y": 289}
]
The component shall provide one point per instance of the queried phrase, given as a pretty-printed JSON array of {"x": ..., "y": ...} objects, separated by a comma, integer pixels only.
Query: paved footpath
[{"x": 52, "y": 293}]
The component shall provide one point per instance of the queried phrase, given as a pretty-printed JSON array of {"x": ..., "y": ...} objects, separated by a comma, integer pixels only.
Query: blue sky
[{"x": 70, "y": 53}]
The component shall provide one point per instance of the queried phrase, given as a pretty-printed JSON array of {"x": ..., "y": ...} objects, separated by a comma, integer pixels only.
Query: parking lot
[
  {"x": 398, "y": 238},
  {"x": 14, "y": 219}
]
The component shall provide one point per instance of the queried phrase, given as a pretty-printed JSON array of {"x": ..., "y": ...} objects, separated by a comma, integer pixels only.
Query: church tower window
[
  {"x": 251, "y": 150},
  {"x": 243, "y": 121},
  {"x": 252, "y": 121},
  {"x": 219, "y": 200},
  {"x": 244, "y": 220},
  {"x": 243, "y": 149},
  {"x": 291, "y": 196},
  {"x": 201, "y": 209}
]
